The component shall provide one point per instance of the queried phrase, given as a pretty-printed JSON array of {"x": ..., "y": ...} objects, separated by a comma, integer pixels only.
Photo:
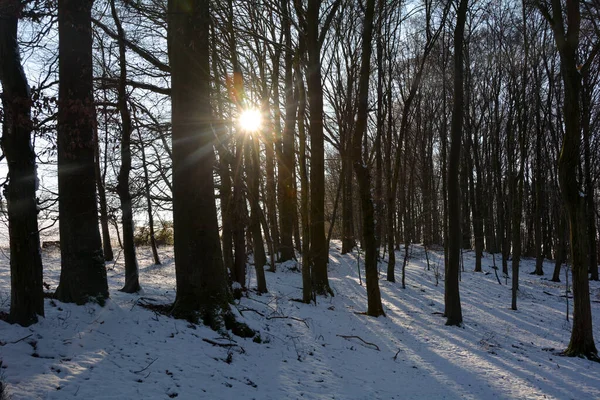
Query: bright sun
[{"x": 250, "y": 120}]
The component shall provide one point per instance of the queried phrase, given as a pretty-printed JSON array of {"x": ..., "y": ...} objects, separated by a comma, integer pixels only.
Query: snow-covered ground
[{"x": 327, "y": 351}]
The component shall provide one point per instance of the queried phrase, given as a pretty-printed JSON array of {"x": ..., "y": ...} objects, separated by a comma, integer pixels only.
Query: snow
[{"x": 327, "y": 351}]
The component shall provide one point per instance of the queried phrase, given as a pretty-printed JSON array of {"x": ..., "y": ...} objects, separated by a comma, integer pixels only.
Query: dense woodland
[{"x": 462, "y": 124}]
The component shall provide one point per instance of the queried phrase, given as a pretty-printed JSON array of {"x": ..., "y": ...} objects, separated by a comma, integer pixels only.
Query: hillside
[{"x": 327, "y": 351}]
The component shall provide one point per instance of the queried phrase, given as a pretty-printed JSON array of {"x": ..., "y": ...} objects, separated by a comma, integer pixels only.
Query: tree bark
[
  {"x": 567, "y": 41},
  {"x": 375, "y": 308},
  {"x": 453, "y": 311},
  {"x": 27, "y": 296},
  {"x": 106, "y": 245},
  {"x": 307, "y": 290},
  {"x": 155, "y": 256},
  {"x": 83, "y": 273},
  {"x": 287, "y": 194},
  {"x": 586, "y": 94},
  {"x": 318, "y": 250},
  {"x": 225, "y": 190},
  {"x": 253, "y": 166},
  {"x": 132, "y": 282},
  {"x": 201, "y": 279}
]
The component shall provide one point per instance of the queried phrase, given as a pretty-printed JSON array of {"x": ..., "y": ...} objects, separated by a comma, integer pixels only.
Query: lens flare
[{"x": 250, "y": 120}]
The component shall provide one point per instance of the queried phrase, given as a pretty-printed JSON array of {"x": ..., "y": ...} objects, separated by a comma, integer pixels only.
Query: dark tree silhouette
[
  {"x": 201, "y": 280},
  {"x": 27, "y": 297},
  {"x": 83, "y": 274}
]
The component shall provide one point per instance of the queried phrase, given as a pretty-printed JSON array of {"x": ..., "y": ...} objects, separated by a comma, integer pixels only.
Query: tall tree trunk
[
  {"x": 488, "y": 209},
  {"x": 475, "y": 202},
  {"x": 567, "y": 41},
  {"x": 307, "y": 290},
  {"x": 239, "y": 210},
  {"x": 101, "y": 177},
  {"x": 201, "y": 278},
  {"x": 375, "y": 308},
  {"x": 348, "y": 241},
  {"x": 465, "y": 211},
  {"x": 390, "y": 195},
  {"x": 276, "y": 145},
  {"x": 586, "y": 94},
  {"x": 287, "y": 194},
  {"x": 106, "y": 245},
  {"x": 516, "y": 215},
  {"x": 27, "y": 296},
  {"x": 132, "y": 283},
  {"x": 238, "y": 274},
  {"x": 501, "y": 231},
  {"x": 453, "y": 311},
  {"x": 155, "y": 256},
  {"x": 224, "y": 152},
  {"x": 561, "y": 245},
  {"x": 297, "y": 239},
  {"x": 83, "y": 274},
  {"x": 271, "y": 188},
  {"x": 253, "y": 167},
  {"x": 318, "y": 250},
  {"x": 538, "y": 188},
  {"x": 380, "y": 123}
]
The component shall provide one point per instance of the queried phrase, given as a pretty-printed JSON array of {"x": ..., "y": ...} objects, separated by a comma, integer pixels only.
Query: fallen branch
[
  {"x": 16, "y": 341},
  {"x": 251, "y": 309},
  {"x": 273, "y": 316},
  {"x": 215, "y": 343},
  {"x": 23, "y": 338},
  {"x": 284, "y": 317},
  {"x": 146, "y": 367},
  {"x": 396, "y": 355},
  {"x": 361, "y": 339},
  {"x": 559, "y": 295}
]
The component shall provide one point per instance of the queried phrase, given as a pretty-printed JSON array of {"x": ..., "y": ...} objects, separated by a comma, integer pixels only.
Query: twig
[
  {"x": 561, "y": 295},
  {"x": 284, "y": 317},
  {"x": 23, "y": 338},
  {"x": 396, "y": 355},
  {"x": 251, "y": 309},
  {"x": 361, "y": 339},
  {"x": 273, "y": 316},
  {"x": 215, "y": 343},
  {"x": 146, "y": 367}
]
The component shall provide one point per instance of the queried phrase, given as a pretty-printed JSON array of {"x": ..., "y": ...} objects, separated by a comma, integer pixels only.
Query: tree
[
  {"x": 287, "y": 194},
  {"x": 201, "y": 280},
  {"x": 132, "y": 284},
  {"x": 83, "y": 274},
  {"x": 258, "y": 249},
  {"x": 318, "y": 243},
  {"x": 361, "y": 170},
  {"x": 27, "y": 297},
  {"x": 566, "y": 27},
  {"x": 453, "y": 311},
  {"x": 307, "y": 292}
]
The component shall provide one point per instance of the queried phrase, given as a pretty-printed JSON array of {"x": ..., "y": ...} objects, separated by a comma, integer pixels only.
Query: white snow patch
[{"x": 327, "y": 351}]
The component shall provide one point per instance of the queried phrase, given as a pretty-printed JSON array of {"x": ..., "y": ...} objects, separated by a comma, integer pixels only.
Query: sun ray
[{"x": 250, "y": 120}]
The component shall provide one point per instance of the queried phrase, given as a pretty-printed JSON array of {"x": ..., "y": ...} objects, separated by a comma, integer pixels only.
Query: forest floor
[{"x": 330, "y": 350}]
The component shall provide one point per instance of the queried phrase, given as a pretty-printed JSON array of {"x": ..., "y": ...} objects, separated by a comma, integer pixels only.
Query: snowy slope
[{"x": 327, "y": 351}]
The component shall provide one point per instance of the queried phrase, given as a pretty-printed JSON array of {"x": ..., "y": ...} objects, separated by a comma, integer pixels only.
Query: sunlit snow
[{"x": 330, "y": 350}]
